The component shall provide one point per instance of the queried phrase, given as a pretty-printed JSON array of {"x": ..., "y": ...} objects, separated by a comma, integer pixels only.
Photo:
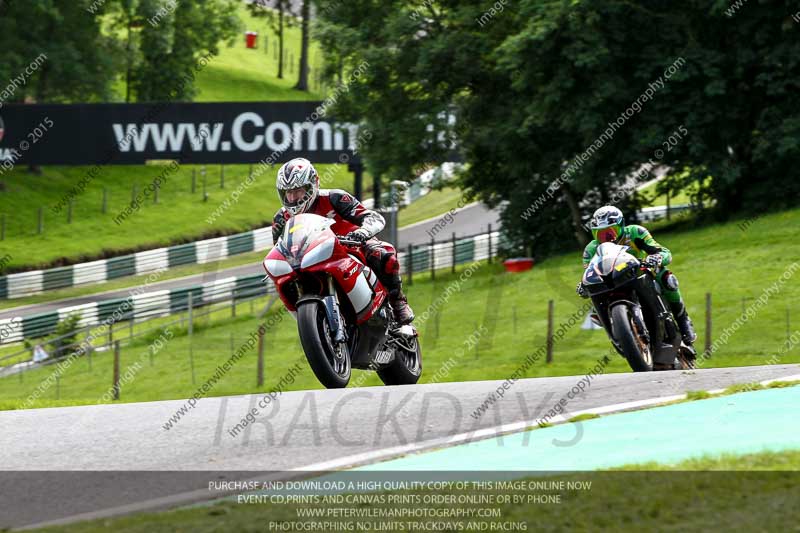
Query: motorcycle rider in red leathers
[{"x": 298, "y": 189}]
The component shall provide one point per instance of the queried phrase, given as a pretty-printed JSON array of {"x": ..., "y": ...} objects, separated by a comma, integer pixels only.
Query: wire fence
[
  {"x": 759, "y": 326},
  {"x": 122, "y": 320},
  {"x": 417, "y": 259}
]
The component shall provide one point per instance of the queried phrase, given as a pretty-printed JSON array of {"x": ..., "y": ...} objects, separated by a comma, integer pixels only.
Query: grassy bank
[{"x": 179, "y": 216}]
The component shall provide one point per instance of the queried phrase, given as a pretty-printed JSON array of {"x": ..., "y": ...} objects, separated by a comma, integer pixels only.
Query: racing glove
[
  {"x": 361, "y": 235},
  {"x": 653, "y": 261},
  {"x": 581, "y": 290}
]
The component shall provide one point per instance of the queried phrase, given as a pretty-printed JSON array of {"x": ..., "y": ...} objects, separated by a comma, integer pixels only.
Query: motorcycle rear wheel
[
  {"x": 405, "y": 369},
  {"x": 331, "y": 365},
  {"x": 633, "y": 348}
]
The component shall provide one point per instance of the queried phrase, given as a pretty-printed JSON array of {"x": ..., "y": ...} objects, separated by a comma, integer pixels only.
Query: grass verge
[{"x": 606, "y": 501}]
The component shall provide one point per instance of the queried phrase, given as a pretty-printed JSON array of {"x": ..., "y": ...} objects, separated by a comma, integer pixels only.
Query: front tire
[
  {"x": 406, "y": 367},
  {"x": 330, "y": 364},
  {"x": 635, "y": 350}
]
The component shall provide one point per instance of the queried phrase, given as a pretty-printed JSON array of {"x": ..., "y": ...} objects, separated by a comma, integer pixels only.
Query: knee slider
[{"x": 670, "y": 281}]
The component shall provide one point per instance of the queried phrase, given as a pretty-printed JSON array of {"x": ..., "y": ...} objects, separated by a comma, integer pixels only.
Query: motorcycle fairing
[{"x": 308, "y": 246}]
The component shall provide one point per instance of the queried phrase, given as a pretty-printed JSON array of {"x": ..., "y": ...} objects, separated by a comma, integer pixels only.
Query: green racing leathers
[{"x": 642, "y": 244}]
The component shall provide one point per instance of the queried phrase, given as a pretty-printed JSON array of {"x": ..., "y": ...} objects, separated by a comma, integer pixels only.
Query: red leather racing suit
[{"x": 349, "y": 215}]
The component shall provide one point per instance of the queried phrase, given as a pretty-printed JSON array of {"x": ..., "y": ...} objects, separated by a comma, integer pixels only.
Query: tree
[
  {"x": 74, "y": 60},
  {"x": 63, "y": 341},
  {"x": 173, "y": 40},
  {"x": 535, "y": 86},
  {"x": 79, "y": 61},
  {"x": 127, "y": 23},
  {"x": 279, "y": 15},
  {"x": 302, "y": 78},
  {"x": 387, "y": 83}
]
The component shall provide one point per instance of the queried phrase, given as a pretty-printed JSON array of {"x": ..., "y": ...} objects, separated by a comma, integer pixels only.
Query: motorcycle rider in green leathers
[{"x": 608, "y": 225}]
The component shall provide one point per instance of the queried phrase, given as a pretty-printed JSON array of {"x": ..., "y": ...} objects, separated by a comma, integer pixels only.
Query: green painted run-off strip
[{"x": 740, "y": 423}]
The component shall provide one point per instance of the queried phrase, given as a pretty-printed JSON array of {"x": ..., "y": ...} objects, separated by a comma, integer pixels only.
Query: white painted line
[
  {"x": 796, "y": 377},
  {"x": 480, "y": 434},
  {"x": 764, "y": 383},
  {"x": 496, "y": 431}
]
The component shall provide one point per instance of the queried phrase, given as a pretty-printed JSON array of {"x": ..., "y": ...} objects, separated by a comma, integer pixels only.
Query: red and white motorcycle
[{"x": 342, "y": 309}]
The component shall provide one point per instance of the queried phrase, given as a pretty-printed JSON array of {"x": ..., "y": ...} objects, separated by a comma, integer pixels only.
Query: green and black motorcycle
[{"x": 629, "y": 305}]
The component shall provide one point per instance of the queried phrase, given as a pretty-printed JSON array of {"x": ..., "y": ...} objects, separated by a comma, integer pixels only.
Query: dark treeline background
[{"x": 534, "y": 83}]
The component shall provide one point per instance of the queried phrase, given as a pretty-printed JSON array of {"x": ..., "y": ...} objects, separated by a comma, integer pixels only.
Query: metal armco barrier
[
  {"x": 440, "y": 255},
  {"x": 200, "y": 252},
  {"x": 136, "y": 307}
]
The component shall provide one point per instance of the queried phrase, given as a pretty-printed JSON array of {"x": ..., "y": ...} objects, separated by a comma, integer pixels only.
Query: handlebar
[{"x": 349, "y": 242}]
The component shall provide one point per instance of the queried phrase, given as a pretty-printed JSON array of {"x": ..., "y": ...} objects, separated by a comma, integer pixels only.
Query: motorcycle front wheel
[
  {"x": 329, "y": 362},
  {"x": 633, "y": 347}
]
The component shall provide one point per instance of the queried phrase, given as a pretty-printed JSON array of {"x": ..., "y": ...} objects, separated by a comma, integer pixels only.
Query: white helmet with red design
[{"x": 298, "y": 185}]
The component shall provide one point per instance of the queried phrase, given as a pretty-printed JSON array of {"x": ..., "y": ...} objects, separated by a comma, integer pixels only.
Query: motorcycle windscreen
[
  {"x": 607, "y": 259},
  {"x": 300, "y": 233}
]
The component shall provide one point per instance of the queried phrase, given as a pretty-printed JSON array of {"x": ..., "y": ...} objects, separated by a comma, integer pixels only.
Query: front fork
[
  {"x": 638, "y": 318},
  {"x": 334, "y": 313}
]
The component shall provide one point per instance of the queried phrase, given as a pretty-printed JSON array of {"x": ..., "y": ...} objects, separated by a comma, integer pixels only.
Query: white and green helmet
[
  {"x": 607, "y": 224},
  {"x": 298, "y": 173}
]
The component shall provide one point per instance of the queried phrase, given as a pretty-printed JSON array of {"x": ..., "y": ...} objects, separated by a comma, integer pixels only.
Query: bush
[{"x": 63, "y": 341}]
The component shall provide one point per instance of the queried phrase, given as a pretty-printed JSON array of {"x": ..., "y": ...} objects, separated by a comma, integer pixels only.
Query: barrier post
[
  {"x": 708, "y": 326},
  {"x": 410, "y": 269},
  {"x": 191, "y": 331},
  {"x": 550, "y": 331},
  {"x": 433, "y": 259},
  {"x": 260, "y": 366},
  {"x": 490, "y": 243},
  {"x": 116, "y": 371},
  {"x": 514, "y": 317},
  {"x": 453, "y": 267},
  {"x": 205, "y": 192}
]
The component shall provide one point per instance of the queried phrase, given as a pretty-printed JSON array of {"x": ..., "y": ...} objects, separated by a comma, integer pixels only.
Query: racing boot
[
  {"x": 684, "y": 322},
  {"x": 402, "y": 311}
]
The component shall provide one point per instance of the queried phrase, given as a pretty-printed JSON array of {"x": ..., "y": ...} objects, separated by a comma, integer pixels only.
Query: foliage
[
  {"x": 279, "y": 14},
  {"x": 535, "y": 84},
  {"x": 63, "y": 341},
  {"x": 79, "y": 59},
  {"x": 172, "y": 42}
]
